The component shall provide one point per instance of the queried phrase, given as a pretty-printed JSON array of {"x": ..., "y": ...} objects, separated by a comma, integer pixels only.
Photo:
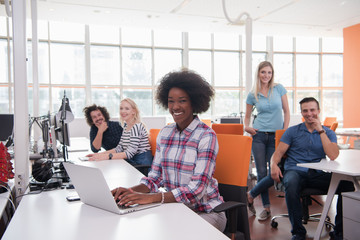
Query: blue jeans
[
  {"x": 263, "y": 147},
  {"x": 295, "y": 180},
  {"x": 144, "y": 158}
]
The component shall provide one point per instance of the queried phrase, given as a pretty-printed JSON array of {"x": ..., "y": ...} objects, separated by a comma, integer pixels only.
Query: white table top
[
  {"x": 347, "y": 163},
  {"x": 49, "y": 216},
  {"x": 350, "y": 132}
]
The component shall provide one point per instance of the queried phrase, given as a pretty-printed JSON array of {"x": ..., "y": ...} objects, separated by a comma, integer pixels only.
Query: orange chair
[
  {"x": 329, "y": 121},
  {"x": 207, "y": 122},
  {"x": 225, "y": 128},
  {"x": 153, "y": 133},
  {"x": 232, "y": 165},
  {"x": 334, "y": 126},
  {"x": 152, "y": 139},
  {"x": 278, "y": 135}
]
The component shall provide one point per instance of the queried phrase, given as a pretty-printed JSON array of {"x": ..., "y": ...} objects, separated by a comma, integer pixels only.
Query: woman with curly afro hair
[{"x": 184, "y": 162}]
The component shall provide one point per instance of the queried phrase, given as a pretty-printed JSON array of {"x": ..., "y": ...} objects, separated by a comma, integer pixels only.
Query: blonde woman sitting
[{"x": 134, "y": 144}]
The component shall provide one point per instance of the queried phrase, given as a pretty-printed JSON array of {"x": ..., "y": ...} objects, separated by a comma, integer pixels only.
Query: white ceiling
[{"x": 270, "y": 17}]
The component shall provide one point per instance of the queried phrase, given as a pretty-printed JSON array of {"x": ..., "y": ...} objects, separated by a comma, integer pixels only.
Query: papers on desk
[
  {"x": 84, "y": 158},
  {"x": 79, "y": 144},
  {"x": 343, "y": 145},
  {"x": 78, "y": 149}
]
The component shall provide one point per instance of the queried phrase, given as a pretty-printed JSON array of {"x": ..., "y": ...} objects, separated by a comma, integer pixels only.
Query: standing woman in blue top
[{"x": 271, "y": 102}]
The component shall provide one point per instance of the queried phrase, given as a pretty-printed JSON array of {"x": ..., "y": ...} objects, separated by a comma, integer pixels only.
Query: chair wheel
[
  {"x": 274, "y": 224},
  {"x": 327, "y": 226}
]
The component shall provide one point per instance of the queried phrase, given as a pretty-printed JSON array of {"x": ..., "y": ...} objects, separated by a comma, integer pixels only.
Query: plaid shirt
[{"x": 184, "y": 164}]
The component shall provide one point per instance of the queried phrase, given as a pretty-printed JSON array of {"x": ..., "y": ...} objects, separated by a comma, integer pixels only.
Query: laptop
[{"x": 91, "y": 186}]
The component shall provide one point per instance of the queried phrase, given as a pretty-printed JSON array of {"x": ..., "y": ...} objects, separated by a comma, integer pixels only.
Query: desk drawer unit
[{"x": 351, "y": 215}]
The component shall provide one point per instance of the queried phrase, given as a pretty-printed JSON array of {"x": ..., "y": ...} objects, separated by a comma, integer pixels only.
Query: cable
[
  {"x": 7, "y": 187},
  {"x": 12, "y": 203},
  {"x": 237, "y": 21},
  {"x": 9, "y": 197}
]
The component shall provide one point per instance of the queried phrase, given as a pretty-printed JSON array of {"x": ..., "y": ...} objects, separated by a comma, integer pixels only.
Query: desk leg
[{"x": 334, "y": 183}]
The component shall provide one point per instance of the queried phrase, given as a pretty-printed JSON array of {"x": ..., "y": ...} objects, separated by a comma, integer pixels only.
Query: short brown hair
[{"x": 309, "y": 99}]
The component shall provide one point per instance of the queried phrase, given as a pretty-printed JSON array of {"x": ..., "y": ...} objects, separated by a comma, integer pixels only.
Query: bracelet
[{"x": 162, "y": 198}]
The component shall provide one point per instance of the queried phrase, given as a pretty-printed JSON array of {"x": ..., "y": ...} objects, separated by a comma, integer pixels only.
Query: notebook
[{"x": 91, "y": 186}]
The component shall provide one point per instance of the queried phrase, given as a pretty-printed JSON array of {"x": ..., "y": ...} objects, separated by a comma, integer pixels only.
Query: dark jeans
[
  {"x": 144, "y": 158},
  {"x": 263, "y": 147},
  {"x": 295, "y": 180}
]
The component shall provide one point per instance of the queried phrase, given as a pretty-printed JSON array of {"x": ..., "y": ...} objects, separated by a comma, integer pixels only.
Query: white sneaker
[{"x": 264, "y": 215}]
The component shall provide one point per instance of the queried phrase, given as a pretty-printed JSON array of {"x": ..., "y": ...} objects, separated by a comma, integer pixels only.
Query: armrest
[
  {"x": 231, "y": 207},
  {"x": 143, "y": 168},
  {"x": 228, "y": 206}
]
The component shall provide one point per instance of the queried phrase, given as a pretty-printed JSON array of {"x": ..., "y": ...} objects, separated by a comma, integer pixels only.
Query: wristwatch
[
  {"x": 321, "y": 131},
  {"x": 110, "y": 156}
]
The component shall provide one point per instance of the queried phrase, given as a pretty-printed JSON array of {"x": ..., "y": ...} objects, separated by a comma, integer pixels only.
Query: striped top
[
  {"x": 184, "y": 164},
  {"x": 134, "y": 141}
]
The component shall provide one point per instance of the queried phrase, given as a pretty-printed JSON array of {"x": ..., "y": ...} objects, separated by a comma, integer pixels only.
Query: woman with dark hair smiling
[{"x": 186, "y": 150}]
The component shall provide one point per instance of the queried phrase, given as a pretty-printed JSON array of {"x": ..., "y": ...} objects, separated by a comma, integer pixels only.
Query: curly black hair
[
  {"x": 198, "y": 89},
  {"x": 87, "y": 110}
]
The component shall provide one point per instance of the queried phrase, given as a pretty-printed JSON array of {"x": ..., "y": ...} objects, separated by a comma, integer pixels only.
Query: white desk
[
  {"x": 49, "y": 216},
  {"x": 345, "y": 167},
  {"x": 348, "y": 132}
]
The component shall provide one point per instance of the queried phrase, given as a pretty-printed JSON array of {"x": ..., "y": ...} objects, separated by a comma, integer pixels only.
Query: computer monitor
[
  {"x": 231, "y": 120},
  {"x": 61, "y": 128},
  {"x": 6, "y": 126}
]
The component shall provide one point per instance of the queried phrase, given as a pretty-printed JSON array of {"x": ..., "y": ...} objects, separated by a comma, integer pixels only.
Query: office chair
[
  {"x": 232, "y": 164},
  {"x": 334, "y": 126},
  {"x": 228, "y": 128},
  {"x": 329, "y": 121},
  {"x": 207, "y": 122},
  {"x": 153, "y": 133},
  {"x": 305, "y": 195}
]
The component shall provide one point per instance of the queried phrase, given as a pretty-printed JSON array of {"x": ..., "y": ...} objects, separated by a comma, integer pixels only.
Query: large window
[
  {"x": 105, "y": 57},
  {"x": 67, "y": 63},
  {"x": 104, "y": 64},
  {"x": 136, "y": 66}
]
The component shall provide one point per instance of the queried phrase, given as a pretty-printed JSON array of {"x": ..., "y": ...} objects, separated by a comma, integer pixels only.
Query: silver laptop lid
[{"x": 93, "y": 189}]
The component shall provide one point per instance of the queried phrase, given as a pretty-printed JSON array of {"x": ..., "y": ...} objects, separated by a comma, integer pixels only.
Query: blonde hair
[
  {"x": 257, "y": 84},
  {"x": 137, "y": 118}
]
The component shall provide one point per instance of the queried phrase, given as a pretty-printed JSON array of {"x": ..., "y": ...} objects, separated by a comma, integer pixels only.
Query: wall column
[{"x": 351, "y": 78}]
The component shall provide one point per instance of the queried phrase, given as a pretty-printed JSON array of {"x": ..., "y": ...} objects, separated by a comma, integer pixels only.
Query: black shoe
[
  {"x": 336, "y": 235},
  {"x": 298, "y": 237}
]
